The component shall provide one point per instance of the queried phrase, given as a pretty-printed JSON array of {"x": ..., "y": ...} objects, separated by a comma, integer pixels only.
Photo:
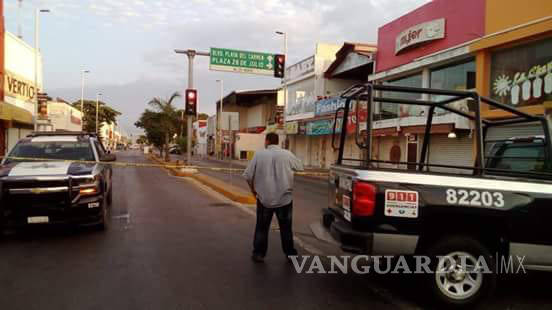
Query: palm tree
[{"x": 168, "y": 118}]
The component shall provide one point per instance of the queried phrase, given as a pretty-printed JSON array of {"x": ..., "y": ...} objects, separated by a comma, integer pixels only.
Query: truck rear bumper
[{"x": 370, "y": 243}]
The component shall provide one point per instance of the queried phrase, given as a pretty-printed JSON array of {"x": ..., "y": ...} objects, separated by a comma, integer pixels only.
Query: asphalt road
[
  {"x": 310, "y": 194},
  {"x": 170, "y": 246},
  {"x": 522, "y": 291}
]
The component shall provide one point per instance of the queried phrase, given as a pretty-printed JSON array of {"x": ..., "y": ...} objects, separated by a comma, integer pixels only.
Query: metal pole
[
  {"x": 191, "y": 55},
  {"x": 82, "y": 92},
  {"x": 97, "y": 108},
  {"x": 220, "y": 121},
  {"x": 37, "y": 11},
  {"x": 285, "y": 81},
  {"x": 229, "y": 154}
]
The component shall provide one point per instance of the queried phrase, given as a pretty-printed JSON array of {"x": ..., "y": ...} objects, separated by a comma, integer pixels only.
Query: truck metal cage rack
[{"x": 372, "y": 93}]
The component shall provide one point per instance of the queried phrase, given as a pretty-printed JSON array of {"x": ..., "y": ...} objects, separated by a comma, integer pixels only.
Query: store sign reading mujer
[
  {"x": 525, "y": 85},
  {"x": 16, "y": 86},
  {"x": 424, "y": 32}
]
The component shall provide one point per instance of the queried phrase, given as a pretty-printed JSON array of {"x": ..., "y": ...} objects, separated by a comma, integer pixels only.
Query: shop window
[
  {"x": 522, "y": 75},
  {"x": 392, "y": 110},
  {"x": 455, "y": 77}
]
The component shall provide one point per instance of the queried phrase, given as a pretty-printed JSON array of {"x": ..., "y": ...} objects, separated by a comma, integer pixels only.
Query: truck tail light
[{"x": 364, "y": 199}]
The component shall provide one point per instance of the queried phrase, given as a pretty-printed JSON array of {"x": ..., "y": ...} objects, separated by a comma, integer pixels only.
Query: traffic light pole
[{"x": 191, "y": 55}]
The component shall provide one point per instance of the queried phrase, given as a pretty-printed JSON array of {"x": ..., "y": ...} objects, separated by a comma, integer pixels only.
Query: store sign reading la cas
[
  {"x": 525, "y": 85},
  {"x": 428, "y": 31},
  {"x": 18, "y": 87}
]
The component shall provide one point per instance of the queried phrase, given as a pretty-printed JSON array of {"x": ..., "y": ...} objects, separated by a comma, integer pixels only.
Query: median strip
[{"x": 230, "y": 192}]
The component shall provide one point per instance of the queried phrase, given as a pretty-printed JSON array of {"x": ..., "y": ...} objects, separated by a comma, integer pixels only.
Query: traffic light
[
  {"x": 279, "y": 66},
  {"x": 191, "y": 102}
]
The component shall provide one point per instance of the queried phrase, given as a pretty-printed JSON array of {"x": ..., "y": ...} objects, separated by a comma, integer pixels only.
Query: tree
[
  {"x": 162, "y": 123},
  {"x": 106, "y": 114}
]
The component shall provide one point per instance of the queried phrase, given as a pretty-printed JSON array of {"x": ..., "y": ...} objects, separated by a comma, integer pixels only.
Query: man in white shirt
[{"x": 270, "y": 177}]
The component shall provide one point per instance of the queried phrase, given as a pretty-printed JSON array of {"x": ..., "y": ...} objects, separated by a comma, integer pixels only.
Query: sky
[{"x": 128, "y": 45}]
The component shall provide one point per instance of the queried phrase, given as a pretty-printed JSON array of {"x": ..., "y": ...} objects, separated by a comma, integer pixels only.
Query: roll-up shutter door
[
  {"x": 455, "y": 152},
  {"x": 518, "y": 130}
]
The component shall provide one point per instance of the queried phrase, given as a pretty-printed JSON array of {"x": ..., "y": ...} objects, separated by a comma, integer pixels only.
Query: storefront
[
  {"x": 428, "y": 47},
  {"x": 17, "y": 108},
  {"x": 515, "y": 58},
  {"x": 305, "y": 85}
]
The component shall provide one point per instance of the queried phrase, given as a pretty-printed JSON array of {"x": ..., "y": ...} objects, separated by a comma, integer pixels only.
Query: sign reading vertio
[{"x": 241, "y": 61}]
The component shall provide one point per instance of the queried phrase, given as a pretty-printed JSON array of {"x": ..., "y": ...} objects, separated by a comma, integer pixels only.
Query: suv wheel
[
  {"x": 110, "y": 196},
  {"x": 104, "y": 224},
  {"x": 463, "y": 271}
]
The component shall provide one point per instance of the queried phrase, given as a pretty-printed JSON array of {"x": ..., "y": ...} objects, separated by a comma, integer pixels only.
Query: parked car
[
  {"x": 52, "y": 178},
  {"x": 175, "y": 150}
]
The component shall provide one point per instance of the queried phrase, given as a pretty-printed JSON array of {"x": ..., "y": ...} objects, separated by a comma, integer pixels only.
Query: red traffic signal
[
  {"x": 279, "y": 65},
  {"x": 191, "y": 102}
]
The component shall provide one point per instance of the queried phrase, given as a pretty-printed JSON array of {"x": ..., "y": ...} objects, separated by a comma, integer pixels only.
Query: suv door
[{"x": 106, "y": 168}]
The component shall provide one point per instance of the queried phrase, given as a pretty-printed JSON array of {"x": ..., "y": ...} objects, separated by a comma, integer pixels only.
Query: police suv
[{"x": 54, "y": 178}]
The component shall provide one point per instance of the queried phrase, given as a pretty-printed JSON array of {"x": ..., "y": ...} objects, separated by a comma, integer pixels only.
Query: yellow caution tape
[{"x": 150, "y": 165}]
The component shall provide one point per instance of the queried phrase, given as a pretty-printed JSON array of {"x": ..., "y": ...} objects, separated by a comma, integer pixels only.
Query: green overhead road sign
[{"x": 229, "y": 60}]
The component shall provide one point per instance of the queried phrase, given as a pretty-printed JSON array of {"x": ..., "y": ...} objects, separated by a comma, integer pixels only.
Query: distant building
[
  {"x": 63, "y": 116},
  {"x": 245, "y": 111},
  {"x": 200, "y": 137}
]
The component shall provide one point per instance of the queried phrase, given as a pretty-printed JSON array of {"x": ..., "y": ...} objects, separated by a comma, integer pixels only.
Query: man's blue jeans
[{"x": 264, "y": 218}]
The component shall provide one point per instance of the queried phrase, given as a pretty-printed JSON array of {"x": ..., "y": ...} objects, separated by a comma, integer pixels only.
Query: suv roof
[{"x": 61, "y": 133}]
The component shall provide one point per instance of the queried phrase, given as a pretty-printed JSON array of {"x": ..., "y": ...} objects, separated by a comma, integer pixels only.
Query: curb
[{"x": 226, "y": 190}]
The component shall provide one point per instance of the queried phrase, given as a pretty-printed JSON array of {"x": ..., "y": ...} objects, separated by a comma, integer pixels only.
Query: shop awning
[
  {"x": 9, "y": 112},
  {"x": 353, "y": 61}
]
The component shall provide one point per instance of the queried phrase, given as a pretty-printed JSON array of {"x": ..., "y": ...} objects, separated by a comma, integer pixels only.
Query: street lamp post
[
  {"x": 220, "y": 118},
  {"x": 284, "y": 79},
  {"x": 37, "y": 32},
  {"x": 82, "y": 93},
  {"x": 97, "y": 109}
]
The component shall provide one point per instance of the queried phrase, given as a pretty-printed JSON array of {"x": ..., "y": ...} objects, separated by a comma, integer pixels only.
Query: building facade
[
  {"x": 17, "y": 109},
  {"x": 244, "y": 111},
  {"x": 514, "y": 61},
  {"x": 428, "y": 47},
  {"x": 64, "y": 117},
  {"x": 305, "y": 84}
]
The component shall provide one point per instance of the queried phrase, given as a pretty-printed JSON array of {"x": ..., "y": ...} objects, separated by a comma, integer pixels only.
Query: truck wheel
[{"x": 463, "y": 271}]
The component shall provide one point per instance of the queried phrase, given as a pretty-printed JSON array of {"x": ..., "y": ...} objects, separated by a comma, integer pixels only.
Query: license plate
[{"x": 37, "y": 219}]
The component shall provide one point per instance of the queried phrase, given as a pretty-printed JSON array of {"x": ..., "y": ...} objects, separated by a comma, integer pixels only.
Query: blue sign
[
  {"x": 322, "y": 127},
  {"x": 329, "y": 106}
]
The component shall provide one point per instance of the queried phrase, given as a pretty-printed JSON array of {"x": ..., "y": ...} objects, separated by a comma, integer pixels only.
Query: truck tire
[{"x": 451, "y": 281}]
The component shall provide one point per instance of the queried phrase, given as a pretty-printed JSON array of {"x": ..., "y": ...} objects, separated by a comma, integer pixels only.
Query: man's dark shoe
[{"x": 257, "y": 258}]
